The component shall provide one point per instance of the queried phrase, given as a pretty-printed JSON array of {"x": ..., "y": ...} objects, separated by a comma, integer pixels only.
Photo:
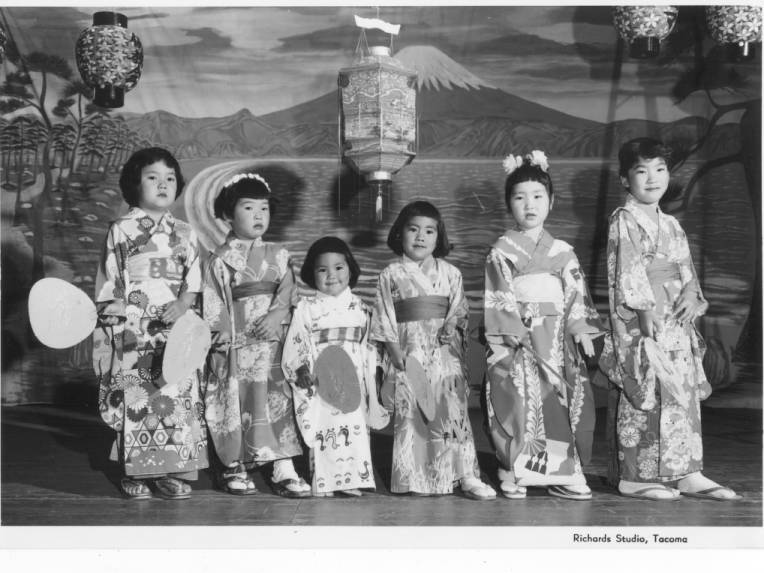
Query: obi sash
[
  {"x": 339, "y": 334},
  {"x": 660, "y": 271},
  {"x": 253, "y": 288},
  {"x": 421, "y": 308},
  {"x": 144, "y": 266}
]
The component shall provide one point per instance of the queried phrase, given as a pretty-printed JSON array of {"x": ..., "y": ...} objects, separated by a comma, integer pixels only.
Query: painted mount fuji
[{"x": 461, "y": 115}]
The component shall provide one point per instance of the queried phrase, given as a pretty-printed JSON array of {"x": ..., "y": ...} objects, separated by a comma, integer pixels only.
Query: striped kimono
[{"x": 539, "y": 401}]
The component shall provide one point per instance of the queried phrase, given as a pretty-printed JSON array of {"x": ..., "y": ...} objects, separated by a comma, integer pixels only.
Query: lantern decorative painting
[
  {"x": 736, "y": 26},
  {"x": 644, "y": 27},
  {"x": 109, "y": 58},
  {"x": 377, "y": 112}
]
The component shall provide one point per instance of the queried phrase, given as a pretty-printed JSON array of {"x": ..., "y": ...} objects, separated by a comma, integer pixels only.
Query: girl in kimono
[
  {"x": 248, "y": 296},
  {"x": 335, "y": 427},
  {"x": 421, "y": 313},
  {"x": 148, "y": 277},
  {"x": 654, "y": 358},
  {"x": 538, "y": 319}
]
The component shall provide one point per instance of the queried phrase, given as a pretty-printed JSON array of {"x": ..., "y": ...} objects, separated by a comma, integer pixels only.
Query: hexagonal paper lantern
[
  {"x": 378, "y": 117},
  {"x": 644, "y": 27},
  {"x": 735, "y": 26},
  {"x": 109, "y": 58}
]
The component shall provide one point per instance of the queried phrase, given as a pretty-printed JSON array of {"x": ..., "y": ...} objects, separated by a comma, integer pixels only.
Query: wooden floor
[{"x": 55, "y": 472}]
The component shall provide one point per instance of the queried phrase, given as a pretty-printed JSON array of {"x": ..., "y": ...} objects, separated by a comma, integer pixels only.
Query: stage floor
[{"x": 55, "y": 471}]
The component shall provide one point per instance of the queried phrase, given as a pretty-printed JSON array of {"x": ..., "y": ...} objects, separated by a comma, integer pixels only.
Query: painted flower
[
  {"x": 162, "y": 405},
  {"x": 278, "y": 404},
  {"x": 629, "y": 436},
  {"x": 136, "y": 397},
  {"x": 647, "y": 461},
  {"x": 288, "y": 437}
]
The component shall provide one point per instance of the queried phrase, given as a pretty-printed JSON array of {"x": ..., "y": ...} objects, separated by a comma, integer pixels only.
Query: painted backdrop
[{"x": 255, "y": 87}]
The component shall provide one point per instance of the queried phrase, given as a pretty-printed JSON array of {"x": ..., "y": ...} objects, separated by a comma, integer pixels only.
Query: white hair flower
[
  {"x": 538, "y": 158},
  {"x": 238, "y": 177},
  {"x": 511, "y": 162}
]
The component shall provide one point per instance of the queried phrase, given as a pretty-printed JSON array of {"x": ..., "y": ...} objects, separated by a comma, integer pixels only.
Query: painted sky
[{"x": 209, "y": 61}]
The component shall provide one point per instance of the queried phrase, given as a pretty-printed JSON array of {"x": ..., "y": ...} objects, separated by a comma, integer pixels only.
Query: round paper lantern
[
  {"x": 644, "y": 27},
  {"x": 109, "y": 58},
  {"x": 377, "y": 117},
  {"x": 735, "y": 26}
]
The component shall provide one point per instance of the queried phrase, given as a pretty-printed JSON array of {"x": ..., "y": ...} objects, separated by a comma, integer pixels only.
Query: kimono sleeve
[
  {"x": 299, "y": 348},
  {"x": 111, "y": 277},
  {"x": 580, "y": 314},
  {"x": 690, "y": 282},
  {"x": 501, "y": 313},
  {"x": 192, "y": 279},
  {"x": 285, "y": 296},
  {"x": 377, "y": 417},
  {"x": 384, "y": 325},
  {"x": 626, "y": 270},
  {"x": 215, "y": 303}
]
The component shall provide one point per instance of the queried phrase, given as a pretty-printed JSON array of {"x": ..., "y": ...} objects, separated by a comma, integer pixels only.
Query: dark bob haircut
[
  {"x": 328, "y": 245},
  {"x": 418, "y": 209},
  {"x": 527, "y": 172},
  {"x": 130, "y": 177},
  {"x": 245, "y": 188},
  {"x": 641, "y": 148}
]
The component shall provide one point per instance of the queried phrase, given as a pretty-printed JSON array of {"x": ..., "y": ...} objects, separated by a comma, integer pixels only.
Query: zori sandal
[
  {"x": 291, "y": 488},
  {"x": 473, "y": 488},
  {"x": 172, "y": 488},
  {"x": 650, "y": 491},
  {"x": 567, "y": 493},
  {"x": 712, "y": 493},
  {"x": 511, "y": 490},
  {"x": 236, "y": 481},
  {"x": 133, "y": 488}
]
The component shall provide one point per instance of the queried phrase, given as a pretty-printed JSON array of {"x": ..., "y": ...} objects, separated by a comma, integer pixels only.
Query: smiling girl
[{"x": 421, "y": 315}]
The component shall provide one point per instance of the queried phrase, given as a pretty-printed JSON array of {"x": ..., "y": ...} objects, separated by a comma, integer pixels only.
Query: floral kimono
[
  {"x": 654, "y": 410},
  {"x": 145, "y": 266},
  {"x": 339, "y": 442},
  {"x": 539, "y": 401},
  {"x": 248, "y": 403},
  {"x": 423, "y": 309}
]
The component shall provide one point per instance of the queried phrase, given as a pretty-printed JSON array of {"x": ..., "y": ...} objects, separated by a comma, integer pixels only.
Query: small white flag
[{"x": 378, "y": 24}]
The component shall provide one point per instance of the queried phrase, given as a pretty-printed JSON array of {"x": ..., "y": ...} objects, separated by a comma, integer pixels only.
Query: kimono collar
[
  {"x": 520, "y": 249},
  {"x": 425, "y": 266},
  {"x": 235, "y": 252},
  {"x": 642, "y": 218},
  {"x": 166, "y": 223},
  {"x": 341, "y": 300}
]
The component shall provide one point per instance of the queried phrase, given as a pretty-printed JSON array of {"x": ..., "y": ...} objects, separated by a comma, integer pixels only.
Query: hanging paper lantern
[
  {"x": 377, "y": 113},
  {"x": 737, "y": 27},
  {"x": 644, "y": 27},
  {"x": 109, "y": 58}
]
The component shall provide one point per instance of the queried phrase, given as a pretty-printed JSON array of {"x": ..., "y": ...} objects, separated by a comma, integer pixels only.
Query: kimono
[
  {"x": 427, "y": 457},
  {"x": 539, "y": 402},
  {"x": 144, "y": 266},
  {"x": 339, "y": 442},
  {"x": 654, "y": 406},
  {"x": 249, "y": 407}
]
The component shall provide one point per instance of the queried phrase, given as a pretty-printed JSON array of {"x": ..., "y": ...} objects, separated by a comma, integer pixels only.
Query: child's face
[
  {"x": 419, "y": 238},
  {"x": 647, "y": 180},
  {"x": 530, "y": 204},
  {"x": 158, "y": 187},
  {"x": 331, "y": 273},
  {"x": 251, "y": 218}
]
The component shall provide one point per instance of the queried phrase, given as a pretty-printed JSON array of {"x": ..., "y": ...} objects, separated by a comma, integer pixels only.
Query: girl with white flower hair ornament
[
  {"x": 248, "y": 297},
  {"x": 539, "y": 322}
]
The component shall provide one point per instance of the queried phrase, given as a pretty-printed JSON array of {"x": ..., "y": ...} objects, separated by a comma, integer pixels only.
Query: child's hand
[
  {"x": 512, "y": 341},
  {"x": 267, "y": 327},
  {"x": 304, "y": 379},
  {"x": 398, "y": 360},
  {"x": 109, "y": 320},
  {"x": 649, "y": 324},
  {"x": 687, "y": 307},
  {"x": 174, "y": 311},
  {"x": 586, "y": 343}
]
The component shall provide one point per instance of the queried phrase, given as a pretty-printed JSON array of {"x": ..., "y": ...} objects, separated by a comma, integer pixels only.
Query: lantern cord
[
  {"x": 339, "y": 152},
  {"x": 378, "y": 206}
]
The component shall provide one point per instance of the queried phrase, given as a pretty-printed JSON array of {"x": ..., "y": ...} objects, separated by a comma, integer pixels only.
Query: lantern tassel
[{"x": 378, "y": 208}]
